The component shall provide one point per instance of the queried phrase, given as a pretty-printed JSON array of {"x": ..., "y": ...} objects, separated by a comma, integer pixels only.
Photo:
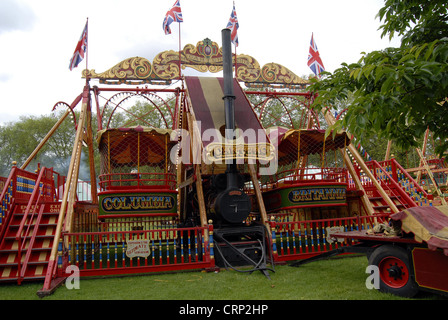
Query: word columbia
[{"x": 137, "y": 203}]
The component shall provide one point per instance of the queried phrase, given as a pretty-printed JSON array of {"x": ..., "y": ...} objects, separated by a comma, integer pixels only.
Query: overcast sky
[{"x": 38, "y": 37}]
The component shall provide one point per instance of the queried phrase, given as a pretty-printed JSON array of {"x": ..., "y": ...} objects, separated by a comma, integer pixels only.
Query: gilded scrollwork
[
  {"x": 131, "y": 68},
  {"x": 206, "y": 56},
  {"x": 166, "y": 65},
  {"x": 248, "y": 69},
  {"x": 276, "y": 73},
  {"x": 142, "y": 67}
]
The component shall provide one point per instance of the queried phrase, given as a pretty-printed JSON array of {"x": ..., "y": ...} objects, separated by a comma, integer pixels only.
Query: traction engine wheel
[{"x": 394, "y": 270}]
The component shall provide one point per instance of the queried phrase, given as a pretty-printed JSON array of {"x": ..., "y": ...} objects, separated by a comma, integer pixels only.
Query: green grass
[{"x": 333, "y": 279}]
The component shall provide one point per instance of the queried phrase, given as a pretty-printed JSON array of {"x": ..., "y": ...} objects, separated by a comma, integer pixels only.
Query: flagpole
[
  {"x": 180, "y": 59},
  {"x": 87, "y": 52}
]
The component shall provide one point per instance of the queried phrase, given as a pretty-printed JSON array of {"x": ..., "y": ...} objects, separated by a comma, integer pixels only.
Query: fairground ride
[{"x": 208, "y": 176}]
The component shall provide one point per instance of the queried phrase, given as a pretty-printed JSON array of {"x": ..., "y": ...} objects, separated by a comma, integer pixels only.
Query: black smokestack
[
  {"x": 232, "y": 204},
  {"x": 229, "y": 109}
]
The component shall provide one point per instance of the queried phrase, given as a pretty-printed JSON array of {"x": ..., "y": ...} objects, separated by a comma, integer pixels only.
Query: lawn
[{"x": 332, "y": 279}]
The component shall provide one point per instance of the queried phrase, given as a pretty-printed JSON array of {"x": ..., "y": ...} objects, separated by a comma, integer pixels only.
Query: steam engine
[{"x": 227, "y": 205}]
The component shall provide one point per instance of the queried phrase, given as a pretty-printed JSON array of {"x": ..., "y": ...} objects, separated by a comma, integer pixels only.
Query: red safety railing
[
  {"x": 139, "y": 251},
  {"x": 7, "y": 200},
  {"x": 307, "y": 175},
  {"x": 389, "y": 183},
  {"x": 118, "y": 181},
  {"x": 303, "y": 239},
  {"x": 24, "y": 184},
  {"x": 399, "y": 174},
  {"x": 18, "y": 187}
]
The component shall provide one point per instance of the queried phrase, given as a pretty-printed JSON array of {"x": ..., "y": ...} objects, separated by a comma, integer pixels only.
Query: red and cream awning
[
  {"x": 428, "y": 224},
  {"x": 136, "y": 146},
  {"x": 292, "y": 143}
]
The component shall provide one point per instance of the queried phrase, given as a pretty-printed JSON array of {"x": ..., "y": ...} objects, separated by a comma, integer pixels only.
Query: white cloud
[
  {"x": 15, "y": 15},
  {"x": 38, "y": 45}
]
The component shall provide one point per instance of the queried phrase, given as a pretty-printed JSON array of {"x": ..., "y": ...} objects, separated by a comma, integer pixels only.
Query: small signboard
[
  {"x": 306, "y": 195},
  {"x": 138, "y": 248},
  {"x": 138, "y": 203}
]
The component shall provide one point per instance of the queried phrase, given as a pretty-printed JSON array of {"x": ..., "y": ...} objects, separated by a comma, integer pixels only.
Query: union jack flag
[
  {"x": 173, "y": 15},
  {"x": 314, "y": 61},
  {"x": 80, "y": 50},
  {"x": 233, "y": 26}
]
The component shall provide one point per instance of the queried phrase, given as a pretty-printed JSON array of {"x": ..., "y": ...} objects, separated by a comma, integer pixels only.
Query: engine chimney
[
  {"x": 232, "y": 204},
  {"x": 229, "y": 109}
]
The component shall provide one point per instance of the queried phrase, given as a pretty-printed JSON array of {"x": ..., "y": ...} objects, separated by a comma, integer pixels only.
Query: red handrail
[
  {"x": 318, "y": 175},
  {"x": 6, "y": 214},
  {"x": 404, "y": 194},
  {"x": 408, "y": 176},
  {"x": 37, "y": 191},
  {"x": 107, "y": 180},
  {"x": 21, "y": 270},
  {"x": 324, "y": 173}
]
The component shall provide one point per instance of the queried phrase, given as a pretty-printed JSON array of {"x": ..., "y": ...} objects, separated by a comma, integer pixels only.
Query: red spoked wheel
[
  {"x": 393, "y": 272},
  {"x": 396, "y": 275}
]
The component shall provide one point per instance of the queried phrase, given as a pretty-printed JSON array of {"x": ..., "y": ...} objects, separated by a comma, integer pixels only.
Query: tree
[
  {"x": 156, "y": 115},
  {"x": 286, "y": 111},
  {"x": 146, "y": 110},
  {"x": 19, "y": 139},
  {"x": 397, "y": 93},
  {"x": 428, "y": 17}
]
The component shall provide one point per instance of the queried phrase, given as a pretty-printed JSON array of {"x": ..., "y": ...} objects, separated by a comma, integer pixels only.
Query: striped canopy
[
  {"x": 206, "y": 96},
  {"x": 312, "y": 141},
  {"x": 135, "y": 146}
]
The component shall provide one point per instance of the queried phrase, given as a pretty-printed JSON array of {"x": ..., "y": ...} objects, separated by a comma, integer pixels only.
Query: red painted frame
[{"x": 430, "y": 269}]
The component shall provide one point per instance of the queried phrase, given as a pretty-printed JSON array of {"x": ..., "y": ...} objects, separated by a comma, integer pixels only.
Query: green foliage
[
  {"x": 149, "y": 111},
  {"x": 286, "y": 111},
  {"x": 19, "y": 139},
  {"x": 417, "y": 21},
  {"x": 396, "y": 93}
]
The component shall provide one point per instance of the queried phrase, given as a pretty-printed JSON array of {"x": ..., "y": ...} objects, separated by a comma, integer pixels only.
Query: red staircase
[
  {"x": 29, "y": 216},
  {"x": 396, "y": 183},
  {"x": 381, "y": 206},
  {"x": 25, "y": 257}
]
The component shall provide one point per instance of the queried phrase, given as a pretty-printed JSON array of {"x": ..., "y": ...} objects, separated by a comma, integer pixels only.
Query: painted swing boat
[{"x": 153, "y": 214}]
